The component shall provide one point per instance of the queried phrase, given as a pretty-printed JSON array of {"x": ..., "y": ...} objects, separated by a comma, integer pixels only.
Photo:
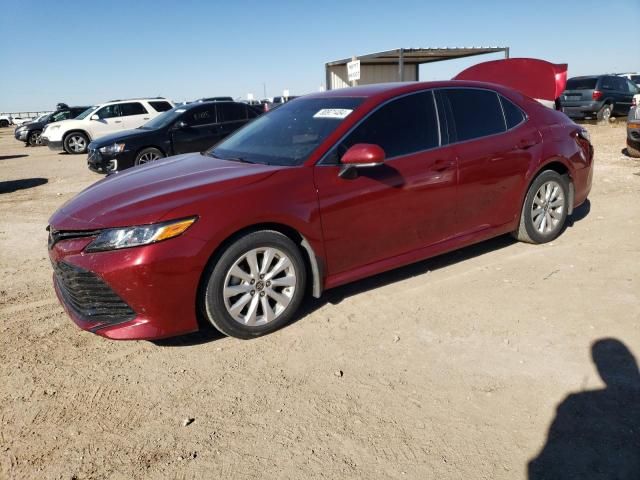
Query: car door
[
  {"x": 134, "y": 115},
  {"x": 199, "y": 131},
  {"x": 495, "y": 145},
  {"x": 108, "y": 120},
  {"x": 394, "y": 208},
  {"x": 628, "y": 89},
  {"x": 231, "y": 116}
]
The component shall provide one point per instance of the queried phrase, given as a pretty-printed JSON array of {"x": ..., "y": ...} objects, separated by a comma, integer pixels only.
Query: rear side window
[
  {"x": 512, "y": 113},
  {"x": 201, "y": 116},
  {"x": 588, "y": 83},
  {"x": 476, "y": 113},
  {"x": 161, "y": 106},
  {"x": 401, "y": 127},
  {"x": 110, "y": 111},
  {"x": 608, "y": 83},
  {"x": 231, "y": 112},
  {"x": 133, "y": 108}
]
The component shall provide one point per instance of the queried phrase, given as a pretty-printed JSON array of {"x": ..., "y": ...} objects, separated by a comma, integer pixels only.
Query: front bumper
[
  {"x": 158, "y": 283},
  {"x": 105, "y": 163},
  {"x": 53, "y": 145},
  {"x": 21, "y": 135}
]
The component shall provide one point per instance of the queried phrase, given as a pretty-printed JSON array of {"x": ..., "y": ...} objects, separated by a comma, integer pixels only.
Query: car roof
[{"x": 385, "y": 90}]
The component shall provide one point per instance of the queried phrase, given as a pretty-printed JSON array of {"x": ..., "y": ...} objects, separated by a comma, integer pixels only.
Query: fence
[{"x": 25, "y": 114}]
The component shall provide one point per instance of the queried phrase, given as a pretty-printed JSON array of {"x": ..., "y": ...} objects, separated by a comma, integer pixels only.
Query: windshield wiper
[{"x": 230, "y": 159}]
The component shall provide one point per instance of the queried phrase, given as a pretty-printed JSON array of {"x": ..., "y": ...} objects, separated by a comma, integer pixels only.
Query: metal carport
[{"x": 399, "y": 64}]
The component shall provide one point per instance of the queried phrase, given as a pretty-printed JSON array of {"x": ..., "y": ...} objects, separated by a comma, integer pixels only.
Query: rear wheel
[
  {"x": 34, "y": 138},
  {"x": 75, "y": 143},
  {"x": 545, "y": 208},
  {"x": 256, "y": 285},
  {"x": 632, "y": 151},
  {"x": 604, "y": 114},
  {"x": 4, "y": 123},
  {"x": 148, "y": 155}
]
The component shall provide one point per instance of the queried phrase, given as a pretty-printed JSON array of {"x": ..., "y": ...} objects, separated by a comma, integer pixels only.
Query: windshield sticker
[{"x": 338, "y": 113}]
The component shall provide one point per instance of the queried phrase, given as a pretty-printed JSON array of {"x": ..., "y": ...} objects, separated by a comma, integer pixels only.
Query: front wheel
[
  {"x": 4, "y": 123},
  {"x": 148, "y": 155},
  {"x": 76, "y": 143},
  {"x": 545, "y": 208},
  {"x": 256, "y": 285},
  {"x": 34, "y": 138}
]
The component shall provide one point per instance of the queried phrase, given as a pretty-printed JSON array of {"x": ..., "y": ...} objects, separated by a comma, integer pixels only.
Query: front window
[
  {"x": 289, "y": 134},
  {"x": 86, "y": 113}
]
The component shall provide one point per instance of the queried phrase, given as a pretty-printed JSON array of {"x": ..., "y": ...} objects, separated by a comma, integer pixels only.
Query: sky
[{"x": 87, "y": 52}]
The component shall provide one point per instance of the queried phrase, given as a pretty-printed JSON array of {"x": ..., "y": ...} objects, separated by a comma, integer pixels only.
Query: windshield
[
  {"x": 164, "y": 119},
  {"x": 581, "y": 83},
  {"x": 43, "y": 118},
  {"x": 288, "y": 135},
  {"x": 86, "y": 113}
]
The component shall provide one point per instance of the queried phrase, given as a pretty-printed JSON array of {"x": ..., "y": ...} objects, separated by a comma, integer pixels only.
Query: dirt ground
[{"x": 452, "y": 368}]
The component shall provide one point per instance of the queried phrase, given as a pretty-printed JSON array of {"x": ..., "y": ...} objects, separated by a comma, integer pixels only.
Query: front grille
[
  {"x": 55, "y": 236},
  {"x": 89, "y": 296}
]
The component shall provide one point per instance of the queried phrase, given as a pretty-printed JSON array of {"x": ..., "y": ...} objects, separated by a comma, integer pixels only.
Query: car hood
[
  {"x": 120, "y": 137},
  {"x": 69, "y": 123},
  {"x": 32, "y": 125},
  {"x": 145, "y": 194}
]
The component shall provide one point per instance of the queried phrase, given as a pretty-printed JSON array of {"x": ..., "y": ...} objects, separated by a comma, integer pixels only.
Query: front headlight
[
  {"x": 112, "y": 149},
  {"x": 115, "y": 238}
]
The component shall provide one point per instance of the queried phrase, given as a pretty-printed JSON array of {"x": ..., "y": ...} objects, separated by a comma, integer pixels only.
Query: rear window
[
  {"x": 231, "y": 112},
  {"x": 512, "y": 113},
  {"x": 476, "y": 113},
  {"x": 133, "y": 108},
  {"x": 582, "y": 83},
  {"x": 161, "y": 106}
]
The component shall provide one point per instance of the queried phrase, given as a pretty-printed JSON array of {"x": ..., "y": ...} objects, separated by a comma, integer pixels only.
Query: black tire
[
  {"x": 76, "y": 143},
  {"x": 213, "y": 299},
  {"x": 633, "y": 152},
  {"x": 4, "y": 123},
  {"x": 147, "y": 155},
  {"x": 605, "y": 113},
  {"x": 527, "y": 230},
  {"x": 34, "y": 138}
]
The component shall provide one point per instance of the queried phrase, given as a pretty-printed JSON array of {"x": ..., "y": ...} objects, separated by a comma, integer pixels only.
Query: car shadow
[
  {"x": 338, "y": 294},
  {"x": 14, "y": 185},
  {"x": 596, "y": 433},
  {"x": 9, "y": 157}
]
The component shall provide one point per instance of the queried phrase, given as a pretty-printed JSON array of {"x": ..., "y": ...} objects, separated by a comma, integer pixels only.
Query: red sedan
[{"x": 325, "y": 190}]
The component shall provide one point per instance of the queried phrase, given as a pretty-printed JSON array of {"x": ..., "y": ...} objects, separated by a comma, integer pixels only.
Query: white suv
[{"x": 74, "y": 135}]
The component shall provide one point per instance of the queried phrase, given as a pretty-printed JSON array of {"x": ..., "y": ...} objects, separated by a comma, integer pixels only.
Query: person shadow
[{"x": 596, "y": 434}]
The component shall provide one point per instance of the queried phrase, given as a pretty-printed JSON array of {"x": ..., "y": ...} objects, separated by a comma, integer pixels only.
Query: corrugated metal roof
[{"x": 420, "y": 55}]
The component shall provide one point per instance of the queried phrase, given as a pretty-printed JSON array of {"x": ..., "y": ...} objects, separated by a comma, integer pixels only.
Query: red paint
[
  {"x": 531, "y": 76},
  {"x": 407, "y": 209}
]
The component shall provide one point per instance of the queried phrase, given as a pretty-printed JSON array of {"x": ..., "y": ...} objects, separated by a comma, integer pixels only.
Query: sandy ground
[{"x": 451, "y": 368}]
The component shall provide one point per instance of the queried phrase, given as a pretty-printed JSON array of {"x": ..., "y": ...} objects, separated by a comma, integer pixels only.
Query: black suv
[
  {"x": 30, "y": 132},
  {"x": 187, "y": 128},
  {"x": 601, "y": 95}
]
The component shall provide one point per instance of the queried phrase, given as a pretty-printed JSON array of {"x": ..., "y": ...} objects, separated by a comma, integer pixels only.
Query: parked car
[
  {"x": 602, "y": 96},
  {"x": 5, "y": 121},
  {"x": 73, "y": 136},
  {"x": 190, "y": 128},
  {"x": 322, "y": 191},
  {"x": 633, "y": 132},
  {"x": 30, "y": 132},
  {"x": 21, "y": 120}
]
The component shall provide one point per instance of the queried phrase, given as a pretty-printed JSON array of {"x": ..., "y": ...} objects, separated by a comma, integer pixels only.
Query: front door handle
[{"x": 442, "y": 165}]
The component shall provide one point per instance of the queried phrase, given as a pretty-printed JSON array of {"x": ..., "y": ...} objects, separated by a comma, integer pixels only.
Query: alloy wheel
[
  {"x": 148, "y": 157},
  {"x": 548, "y": 206},
  {"x": 77, "y": 143},
  {"x": 35, "y": 139},
  {"x": 259, "y": 286}
]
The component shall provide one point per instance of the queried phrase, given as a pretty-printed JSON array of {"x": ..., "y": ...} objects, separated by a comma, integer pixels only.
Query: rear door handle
[{"x": 117, "y": 121}]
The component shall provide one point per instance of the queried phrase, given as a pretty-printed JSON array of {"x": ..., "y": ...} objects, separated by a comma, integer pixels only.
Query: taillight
[
  {"x": 596, "y": 95},
  {"x": 634, "y": 103}
]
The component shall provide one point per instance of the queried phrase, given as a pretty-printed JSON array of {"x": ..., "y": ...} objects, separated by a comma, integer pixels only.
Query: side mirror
[
  {"x": 94, "y": 117},
  {"x": 359, "y": 156}
]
